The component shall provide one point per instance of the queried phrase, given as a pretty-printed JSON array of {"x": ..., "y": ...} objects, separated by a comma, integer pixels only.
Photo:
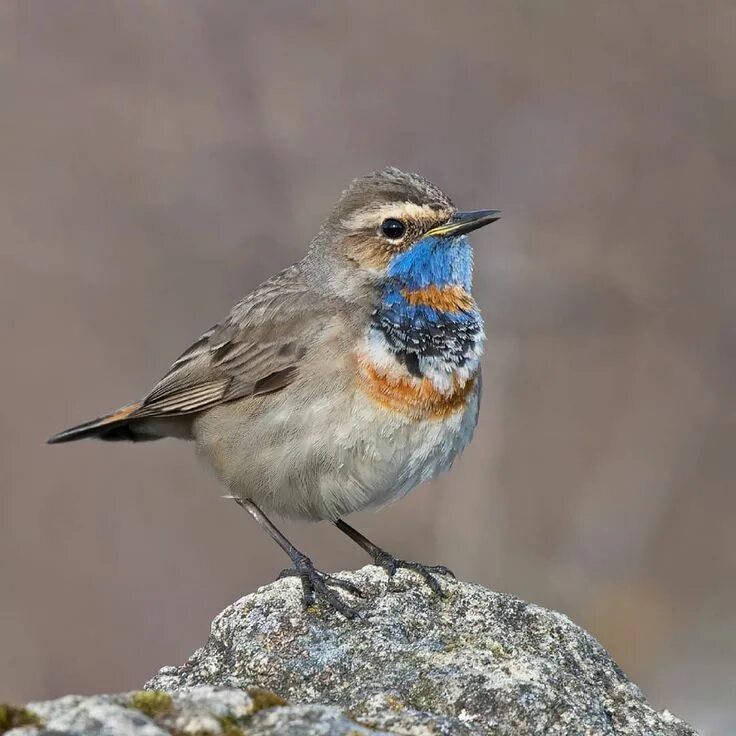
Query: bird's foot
[
  {"x": 428, "y": 572},
  {"x": 317, "y": 585}
]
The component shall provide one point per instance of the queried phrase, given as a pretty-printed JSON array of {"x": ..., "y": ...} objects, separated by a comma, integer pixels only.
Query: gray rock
[
  {"x": 476, "y": 662},
  {"x": 473, "y": 663},
  {"x": 197, "y": 711}
]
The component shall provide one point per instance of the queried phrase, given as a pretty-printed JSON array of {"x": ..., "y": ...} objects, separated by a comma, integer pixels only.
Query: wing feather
[{"x": 258, "y": 349}]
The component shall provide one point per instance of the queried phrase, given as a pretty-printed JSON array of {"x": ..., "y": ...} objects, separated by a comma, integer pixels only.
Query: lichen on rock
[
  {"x": 475, "y": 663},
  {"x": 196, "y": 711}
]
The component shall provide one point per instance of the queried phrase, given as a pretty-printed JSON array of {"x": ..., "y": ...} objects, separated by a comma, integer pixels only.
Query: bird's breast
[{"x": 385, "y": 379}]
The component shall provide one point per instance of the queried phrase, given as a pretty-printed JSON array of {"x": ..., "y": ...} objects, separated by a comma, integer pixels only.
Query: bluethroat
[{"x": 340, "y": 383}]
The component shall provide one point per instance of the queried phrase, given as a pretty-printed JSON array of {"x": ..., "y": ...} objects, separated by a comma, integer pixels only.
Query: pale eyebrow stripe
[{"x": 374, "y": 216}]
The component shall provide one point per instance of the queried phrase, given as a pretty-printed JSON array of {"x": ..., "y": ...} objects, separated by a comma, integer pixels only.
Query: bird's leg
[
  {"x": 391, "y": 564},
  {"x": 315, "y": 584}
]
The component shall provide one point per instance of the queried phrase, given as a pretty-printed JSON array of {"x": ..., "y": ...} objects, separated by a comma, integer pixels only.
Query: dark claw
[
  {"x": 387, "y": 562},
  {"x": 345, "y": 585},
  {"x": 428, "y": 572},
  {"x": 291, "y": 572},
  {"x": 315, "y": 584},
  {"x": 442, "y": 570}
]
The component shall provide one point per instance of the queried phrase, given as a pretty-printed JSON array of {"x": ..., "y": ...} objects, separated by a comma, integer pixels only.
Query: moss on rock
[
  {"x": 12, "y": 716},
  {"x": 264, "y": 699},
  {"x": 229, "y": 727},
  {"x": 153, "y": 703}
]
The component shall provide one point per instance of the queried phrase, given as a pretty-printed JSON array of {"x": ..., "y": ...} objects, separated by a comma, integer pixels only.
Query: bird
[{"x": 340, "y": 383}]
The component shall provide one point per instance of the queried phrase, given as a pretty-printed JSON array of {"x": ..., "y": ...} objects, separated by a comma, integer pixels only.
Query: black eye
[{"x": 393, "y": 229}]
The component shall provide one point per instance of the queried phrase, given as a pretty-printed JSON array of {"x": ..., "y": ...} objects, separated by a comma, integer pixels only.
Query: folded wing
[{"x": 256, "y": 350}]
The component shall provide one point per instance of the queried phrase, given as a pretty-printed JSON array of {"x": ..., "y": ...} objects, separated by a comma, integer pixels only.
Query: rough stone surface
[
  {"x": 476, "y": 662},
  {"x": 473, "y": 663},
  {"x": 197, "y": 711}
]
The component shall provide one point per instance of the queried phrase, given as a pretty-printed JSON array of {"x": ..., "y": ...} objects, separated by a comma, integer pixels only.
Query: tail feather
[{"x": 115, "y": 426}]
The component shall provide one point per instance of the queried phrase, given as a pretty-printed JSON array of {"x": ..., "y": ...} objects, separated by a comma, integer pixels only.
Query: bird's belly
[
  {"x": 321, "y": 457},
  {"x": 390, "y": 452},
  {"x": 407, "y": 427}
]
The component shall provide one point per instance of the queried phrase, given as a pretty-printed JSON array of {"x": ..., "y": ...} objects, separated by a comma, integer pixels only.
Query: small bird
[{"x": 340, "y": 383}]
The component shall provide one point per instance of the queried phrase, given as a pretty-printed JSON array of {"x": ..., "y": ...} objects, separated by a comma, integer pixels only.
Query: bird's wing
[{"x": 256, "y": 350}]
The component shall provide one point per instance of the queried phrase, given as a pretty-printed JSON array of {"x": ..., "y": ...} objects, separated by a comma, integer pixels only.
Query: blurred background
[{"x": 159, "y": 159}]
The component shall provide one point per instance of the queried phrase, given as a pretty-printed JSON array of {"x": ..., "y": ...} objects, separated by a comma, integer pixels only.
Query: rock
[
  {"x": 475, "y": 662},
  {"x": 198, "y": 711}
]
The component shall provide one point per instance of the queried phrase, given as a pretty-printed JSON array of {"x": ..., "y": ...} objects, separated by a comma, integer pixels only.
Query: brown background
[{"x": 159, "y": 159}]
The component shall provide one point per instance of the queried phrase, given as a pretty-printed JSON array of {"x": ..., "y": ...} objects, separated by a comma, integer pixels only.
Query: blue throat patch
[
  {"x": 419, "y": 331},
  {"x": 434, "y": 261}
]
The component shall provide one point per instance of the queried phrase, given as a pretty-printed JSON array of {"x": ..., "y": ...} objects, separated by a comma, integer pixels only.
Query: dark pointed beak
[{"x": 464, "y": 222}]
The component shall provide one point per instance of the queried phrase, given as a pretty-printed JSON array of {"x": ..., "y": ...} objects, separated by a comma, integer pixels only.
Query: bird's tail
[{"x": 113, "y": 427}]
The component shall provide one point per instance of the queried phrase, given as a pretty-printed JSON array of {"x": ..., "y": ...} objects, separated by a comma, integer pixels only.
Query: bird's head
[{"x": 400, "y": 227}]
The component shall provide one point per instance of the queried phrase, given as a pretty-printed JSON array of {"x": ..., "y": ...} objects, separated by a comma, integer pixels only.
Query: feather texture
[{"x": 257, "y": 350}]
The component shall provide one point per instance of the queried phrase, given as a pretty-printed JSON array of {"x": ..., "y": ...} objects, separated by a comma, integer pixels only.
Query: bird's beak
[{"x": 464, "y": 222}]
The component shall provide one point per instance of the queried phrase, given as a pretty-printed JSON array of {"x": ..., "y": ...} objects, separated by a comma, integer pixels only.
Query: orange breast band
[
  {"x": 451, "y": 298},
  {"x": 413, "y": 397}
]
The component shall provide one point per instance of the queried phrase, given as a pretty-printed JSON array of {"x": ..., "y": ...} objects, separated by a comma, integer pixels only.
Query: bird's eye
[{"x": 393, "y": 229}]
